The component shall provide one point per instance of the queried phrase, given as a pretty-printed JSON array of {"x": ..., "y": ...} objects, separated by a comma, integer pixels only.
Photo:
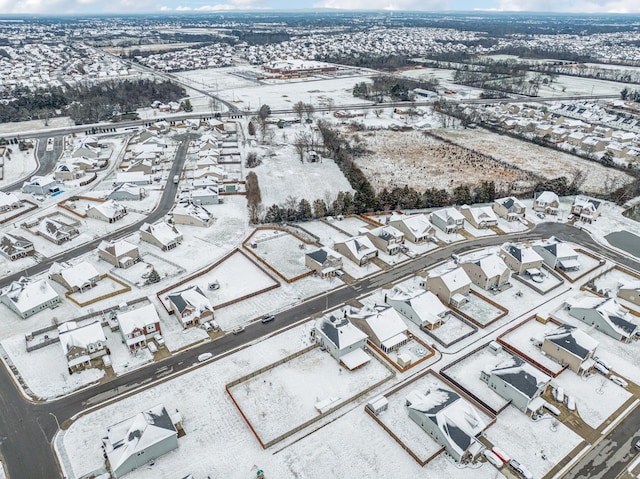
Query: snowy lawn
[
  {"x": 304, "y": 381},
  {"x": 356, "y": 271},
  {"x": 596, "y": 397},
  {"x": 328, "y": 234},
  {"x": 352, "y": 225},
  {"x": 512, "y": 226},
  {"x": 281, "y": 251},
  {"x": 102, "y": 288},
  {"x": 548, "y": 283},
  {"x": 520, "y": 340},
  {"x": 448, "y": 237},
  {"x": 610, "y": 281},
  {"x": 139, "y": 272},
  {"x": 467, "y": 373},
  {"x": 587, "y": 265},
  {"x": 480, "y": 310},
  {"x": 476, "y": 232},
  {"x": 452, "y": 330}
]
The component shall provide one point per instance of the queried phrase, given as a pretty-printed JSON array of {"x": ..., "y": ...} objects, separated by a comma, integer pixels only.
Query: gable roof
[
  {"x": 340, "y": 331},
  {"x": 523, "y": 254},
  {"x": 573, "y": 340},
  {"x": 77, "y": 275},
  {"x": 360, "y": 246},
  {"x": 70, "y": 335},
  {"x": 192, "y": 299},
  {"x": 523, "y": 377},
  {"x": 27, "y": 293},
  {"x": 137, "y": 318}
]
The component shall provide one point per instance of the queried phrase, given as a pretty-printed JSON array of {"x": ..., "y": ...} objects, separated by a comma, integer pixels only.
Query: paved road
[
  {"x": 31, "y": 426},
  {"x": 613, "y": 454}
]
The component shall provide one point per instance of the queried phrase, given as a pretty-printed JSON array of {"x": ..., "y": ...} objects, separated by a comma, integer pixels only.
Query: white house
[
  {"x": 343, "y": 340},
  {"x": 420, "y": 306},
  {"x": 27, "y": 296}
]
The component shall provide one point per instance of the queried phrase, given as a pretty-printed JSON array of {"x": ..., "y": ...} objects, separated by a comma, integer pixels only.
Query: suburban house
[
  {"x": 343, "y": 340},
  {"x": 605, "y": 315},
  {"x": 204, "y": 196},
  {"x": 81, "y": 344},
  {"x": 163, "y": 235},
  {"x": 480, "y": 217},
  {"x": 190, "y": 214},
  {"x": 41, "y": 185},
  {"x": 142, "y": 163},
  {"x": 68, "y": 171},
  {"x": 74, "y": 278},
  {"x": 140, "y": 439},
  {"x": 509, "y": 208},
  {"x": 546, "y": 202},
  {"x": 359, "y": 249},
  {"x": 630, "y": 291},
  {"x": 521, "y": 259},
  {"x": 449, "y": 419},
  {"x": 120, "y": 254},
  {"x": 191, "y": 306},
  {"x": 127, "y": 192},
  {"x": 210, "y": 172},
  {"x": 383, "y": 325},
  {"x": 138, "y": 325},
  {"x": 86, "y": 150},
  {"x": 571, "y": 346},
  {"x": 8, "y": 202},
  {"x": 586, "y": 209},
  {"x": 324, "y": 261},
  {"x": 420, "y": 306},
  {"x": 138, "y": 178},
  {"x": 386, "y": 238},
  {"x": 451, "y": 287},
  {"x": 557, "y": 254},
  {"x": 109, "y": 211},
  {"x": 518, "y": 382},
  {"x": 204, "y": 183},
  {"x": 488, "y": 272},
  {"x": 448, "y": 220},
  {"x": 57, "y": 230},
  {"x": 27, "y": 296},
  {"x": 15, "y": 247},
  {"x": 416, "y": 228}
]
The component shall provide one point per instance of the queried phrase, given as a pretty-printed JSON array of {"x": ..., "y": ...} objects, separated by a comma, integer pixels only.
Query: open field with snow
[
  {"x": 281, "y": 251},
  {"x": 534, "y": 158},
  {"x": 328, "y": 234},
  {"x": 352, "y": 225},
  {"x": 305, "y": 380}
]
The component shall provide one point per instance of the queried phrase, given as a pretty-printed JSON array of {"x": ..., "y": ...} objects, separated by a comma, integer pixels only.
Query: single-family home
[
  {"x": 509, "y": 208},
  {"x": 359, "y": 249},
  {"x": 342, "y": 339},
  {"x": 28, "y": 296},
  {"x": 571, "y": 346},
  {"x": 383, "y": 325},
  {"x": 204, "y": 196},
  {"x": 109, "y": 211},
  {"x": 605, "y": 315},
  {"x": 203, "y": 183},
  {"x": 450, "y": 420},
  {"x": 488, "y": 272},
  {"x": 190, "y": 214},
  {"x": 68, "y": 171},
  {"x": 448, "y": 220},
  {"x": 451, "y": 287},
  {"x": 138, "y": 178},
  {"x": 518, "y": 382},
  {"x": 546, "y": 202},
  {"x": 41, "y": 185},
  {"x": 120, "y": 254},
  {"x": 81, "y": 344},
  {"x": 127, "y": 192},
  {"x": 9, "y": 201},
  {"x": 557, "y": 254},
  {"x": 386, "y": 238},
  {"x": 141, "y": 165},
  {"x": 57, "y": 230},
  {"x": 191, "y": 306},
  {"x": 138, "y": 325},
  {"x": 15, "y": 247},
  {"x": 586, "y": 209},
  {"x": 163, "y": 235},
  {"x": 521, "y": 258},
  {"x": 324, "y": 261},
  {"x": 629, "y": 290},
  {"x": 86, "y": 150},
  {"x": 139, "y": 440},
  {"x": 416, "y": 228},
  {"x": 480, "y": 217},
  {"x": 78, "y": 277},
  {"x": 418, "y": 305}
]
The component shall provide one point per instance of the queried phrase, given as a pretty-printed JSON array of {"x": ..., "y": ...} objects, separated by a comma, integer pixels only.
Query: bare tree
[
  {"x": 299, "y": 109},
  {"x": 377, "y": 112}
]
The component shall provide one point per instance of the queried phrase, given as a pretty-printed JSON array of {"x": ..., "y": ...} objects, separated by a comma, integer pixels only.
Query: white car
[
  {"x": 558, "y": 394},
  {"x": 492, "y": 458},
  {"x": 152, "y": 348},
  {"x": 599, "y": 360},
  {"x": 204, "y": 357},
  {"x": 159, "y": 339},
  {"x": 571, "y": 403},
  {"x": 599, "y": 367},
  {"x": 619, "y": 381}
]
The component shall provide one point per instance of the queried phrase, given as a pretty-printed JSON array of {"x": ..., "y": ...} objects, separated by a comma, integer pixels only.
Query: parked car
[
  {"x": 601, "y": 369},
  {"x": 238, "y": 330},
  {"x": 501, "y": 454},
  {"x": 599, "y": 360},
  {"x": 571, "y": 403},
  {"x": 268, "y": 318},
  {"x": 492, "y": 458},
  {"x": 619, "y": 381},
  {"x": 206, "y": 326},
  {"x": 411, "y": 254},
  {"x": 551, "y": 408},
  {"x": 152, "y": 347},
  {"x": 204, "y": 357},
  {"x": 558, "y": 394},
  {"x": 637, "y": 445},
  {"x": 520, "y": 469},
  {"x": 159, "y": 339}
]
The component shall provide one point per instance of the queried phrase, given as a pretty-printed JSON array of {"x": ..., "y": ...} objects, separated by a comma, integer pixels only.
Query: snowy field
[
  {"x": 480, "y": 310},
  {"x": 34, "y": 125},
  {"x": 527, "y": 441},
  {"x": 520, "y": 340},
  {"x": 283, "y": 175},
  {"x": 106, "y": 286},
  {"x": 328, "y": 235},
  {"x": 17, "y": 165},
  {"x": 452, "y": 330},
  {"x": 282, "y": 252},
  {"x": 596, "y": 397},
  {"x": 304, "y": 381},
  {"x": 467, "y": 374},
  {"x": 352, "y": 225},
  {"x": 534, "y": 158}
]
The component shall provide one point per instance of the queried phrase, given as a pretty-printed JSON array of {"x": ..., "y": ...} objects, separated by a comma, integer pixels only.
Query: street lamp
[{"x": 56, "y": 418}]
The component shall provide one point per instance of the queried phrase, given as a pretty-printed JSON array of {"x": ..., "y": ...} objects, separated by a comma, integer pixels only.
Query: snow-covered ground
[
  {"x": 480, "y": 310},
  {"x": 17, "y": 164},
  {"x": 452, "y": 329},
  {"x": 34, "y": 125},
  {"x": 282, "y": 252}
]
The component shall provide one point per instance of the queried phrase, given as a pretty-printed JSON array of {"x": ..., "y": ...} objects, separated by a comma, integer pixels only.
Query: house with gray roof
[
  {"x": 386, "y": 238},
  {"x": 449, "y": 419},
  {"x": 162, "y": 234},
  {"x": 509, "y": 208},
  {"x": 342, "y": 339},
  {"x": 571, "y": 346},
  {"x": 521, "y": 258},
  {"x": 419, "y": 306},
  {"x": 140, "y": 439},
  {"x": 557, "y": 254},
  {"x": 359, "y": 249},
  {"x": 605, "y": 315},
  {"x": 324, "y": 261},
  {"x": 587, "y": 209},
  {"x": 546, "y": 202},
  {"x": 451, "y": 287},
  {"x": 191, "y": 306},
  {"x": 488, "y": 272},
  {"x": 630, "y": 291},
  {"x": 27, "y": 296},
  {"x": 15, "y": 247},
  {"x": 416, "y": 228},
  {"x": 127, "y": 192},
  {"x": 81, "y": 344}
]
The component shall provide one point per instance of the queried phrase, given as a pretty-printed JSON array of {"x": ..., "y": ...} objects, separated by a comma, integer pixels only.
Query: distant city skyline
[{"x": 149, "y": 6}]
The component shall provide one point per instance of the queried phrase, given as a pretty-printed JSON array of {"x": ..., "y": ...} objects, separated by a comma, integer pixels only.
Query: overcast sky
[{"x": 144, "y": 6}]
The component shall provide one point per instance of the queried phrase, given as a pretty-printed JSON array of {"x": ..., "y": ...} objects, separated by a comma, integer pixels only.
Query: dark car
[{"x": 268, "y": 318}]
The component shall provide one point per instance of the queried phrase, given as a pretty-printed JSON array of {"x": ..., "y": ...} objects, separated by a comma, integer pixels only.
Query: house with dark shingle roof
[
  {"x": 509, "y": 208},
  {"x": 520, "y": 258},
  {"x": 605, "y": 315},
  {"x": 571, "y": 346},
  {"x": 324, "y": 261},
  {"x": 15, "y": 247},
  {"x": 359, "y": 249},
  {"x": 343, "y": 340},
  {"x": 191, "y": 306}
]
